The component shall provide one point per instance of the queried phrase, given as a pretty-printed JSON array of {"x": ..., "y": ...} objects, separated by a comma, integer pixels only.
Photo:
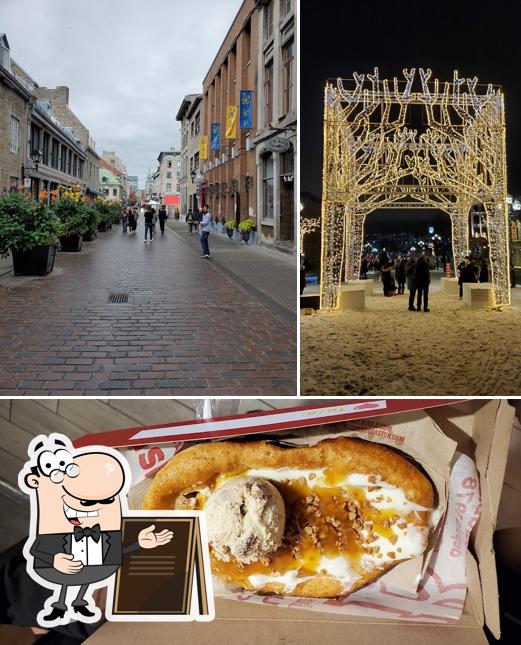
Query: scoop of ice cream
[{"x": 245, "y": 519}]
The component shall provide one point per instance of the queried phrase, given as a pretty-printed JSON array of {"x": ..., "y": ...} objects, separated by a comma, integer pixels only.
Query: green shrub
[
  {"x": 73, "y": 214},
  {"x": 25, "y": 224},
  {"x": 230, "y": 224},
  {"x": 247, "y": 225}
]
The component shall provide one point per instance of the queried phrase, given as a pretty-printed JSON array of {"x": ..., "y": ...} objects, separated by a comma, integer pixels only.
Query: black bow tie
[{"x": 94, "y": 532}]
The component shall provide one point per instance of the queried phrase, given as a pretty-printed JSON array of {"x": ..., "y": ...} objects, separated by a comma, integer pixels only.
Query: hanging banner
[
  {"x": 231, "y": 121},
  {"x": 203, "y": 147},
  {"x": 245, "y": 118},
  {"x": 215, "y": 137}
]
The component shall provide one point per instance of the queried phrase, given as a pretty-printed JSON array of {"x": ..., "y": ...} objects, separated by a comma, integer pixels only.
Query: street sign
[
  {"x": 279, "y": 144},
  {"x": 27, "y": 182}
]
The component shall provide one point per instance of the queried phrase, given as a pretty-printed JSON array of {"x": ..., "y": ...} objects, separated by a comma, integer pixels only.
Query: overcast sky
[{"x": 128, "y": 63}]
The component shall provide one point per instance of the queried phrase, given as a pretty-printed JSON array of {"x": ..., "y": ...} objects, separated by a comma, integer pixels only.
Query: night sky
[{"x": 338, "y": 38}]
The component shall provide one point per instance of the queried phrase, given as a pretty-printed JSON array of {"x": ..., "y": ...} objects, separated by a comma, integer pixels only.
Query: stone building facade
[
  {"x": 14, "y": 118},
  {"x": 229, "y": 176},
  {"x": 111, "y": 161},
  {"x": 276, "y": 138},
  {"x": 191, "y": 118},
  {"x": 58, "y": 99},
  {"x": 166, "y": 179}
]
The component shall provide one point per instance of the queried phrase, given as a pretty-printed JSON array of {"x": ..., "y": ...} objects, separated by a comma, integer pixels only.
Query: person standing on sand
[
  {"x": 411, "y": 281},
  {"x": 422, "y": 279},
  {"x": 387, "y": 278},
  {"x": 467, "y": 273},
  {"x": 400, "y": 274}
]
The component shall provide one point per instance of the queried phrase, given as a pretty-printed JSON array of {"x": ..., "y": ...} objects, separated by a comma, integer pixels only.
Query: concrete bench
[
  {"x": 368, "y": 284},
  {"x": 480, "y": 294},
  {"x": 352, "y": 297},
  {"x": 450, "y": 285}
]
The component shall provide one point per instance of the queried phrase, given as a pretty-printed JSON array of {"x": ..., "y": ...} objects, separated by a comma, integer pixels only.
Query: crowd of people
[
  {"x": 414, "y": 271},
  {"x": 200, "y": 222}
]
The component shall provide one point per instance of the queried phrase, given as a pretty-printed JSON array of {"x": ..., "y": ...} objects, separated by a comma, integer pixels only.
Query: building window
[
  {"x": 15, "y": 131},
  {"x": 103, "y": 180},
  {"x": 197, "y": 126},
  {"x": 169, "y": 164},
  {"x": 45, "y": 149},
  {"x": 55, "y": 154},
  {"x": 285, "y": 8},
  {"x": 35, "y": 138},
  {"x": 268, "y": 21},
  {"x": 287, "y": 76},
  {"x": 196, "y": 160},
  {"x": 169, "y": 175},
  {"x": 115, "y": 192},
  {"x": 69, "y": 163},
  {"x": 268, "y": 93},
  {"x": 63, "y": 159},
  {"x": 246, "y": 42},
  {"x": 169, "y": 188},
  {"x": 267, "y": 187}
]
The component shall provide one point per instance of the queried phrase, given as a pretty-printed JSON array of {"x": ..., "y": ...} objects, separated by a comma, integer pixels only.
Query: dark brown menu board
[{"x": 159, "y": 581}]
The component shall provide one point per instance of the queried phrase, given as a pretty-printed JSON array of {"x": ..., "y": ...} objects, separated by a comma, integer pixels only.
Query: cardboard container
[{"x": 482, "y": 430}]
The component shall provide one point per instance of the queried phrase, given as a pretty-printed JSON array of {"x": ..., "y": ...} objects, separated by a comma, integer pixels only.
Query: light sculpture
[{"x": 379, "y": 154}]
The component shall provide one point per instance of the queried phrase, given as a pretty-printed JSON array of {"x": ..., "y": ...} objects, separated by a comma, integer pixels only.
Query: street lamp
[{"x": 36, "y": 156}]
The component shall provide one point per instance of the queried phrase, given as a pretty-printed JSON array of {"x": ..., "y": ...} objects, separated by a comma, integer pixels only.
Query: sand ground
[{"x": 388, "y": 350}]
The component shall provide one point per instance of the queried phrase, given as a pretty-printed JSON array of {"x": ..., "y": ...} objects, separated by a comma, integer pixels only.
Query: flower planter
[
  {"x": 102, "y": 226},
  {"x": 89, "y": 237},
  {"x": 71, "y": 243},
  {"x": 245, "y": 236},
  {"x": 37, "y": 261},
  {"x": 229, "y": 232}
]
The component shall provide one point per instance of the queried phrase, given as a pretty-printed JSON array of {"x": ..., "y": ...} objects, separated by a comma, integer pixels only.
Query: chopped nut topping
[
  {"x": 391, "y": 554},
  {"x": 393, "y": 539},
  {"x": 371, "y": 479}
]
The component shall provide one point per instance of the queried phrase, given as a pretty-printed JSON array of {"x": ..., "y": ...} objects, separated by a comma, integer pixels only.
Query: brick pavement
[{"x": 188, "y": 328}]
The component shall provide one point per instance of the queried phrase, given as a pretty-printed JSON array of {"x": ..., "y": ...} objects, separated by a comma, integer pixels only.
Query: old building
[
  {"x": 167, "y": 179},
  {"x": 111, "y": 185},
  {"x": 58, "y": 99},
  {"x": 14, "y": 116},
  {"x": 229, "y": 174},
  {"x": 112, "y": 162},
  {"x": 190, "y": 117},
  {"x": 276, "y": 138}
]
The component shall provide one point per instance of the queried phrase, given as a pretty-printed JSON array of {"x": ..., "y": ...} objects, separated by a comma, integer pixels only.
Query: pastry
[{"x": 320, "y": 521}]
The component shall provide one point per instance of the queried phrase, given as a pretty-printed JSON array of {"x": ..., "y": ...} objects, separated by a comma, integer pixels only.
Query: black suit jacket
[{"x": 47, "y": 545}]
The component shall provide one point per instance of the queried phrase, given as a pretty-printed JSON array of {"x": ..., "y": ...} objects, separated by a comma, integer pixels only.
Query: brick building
[
  {"x": 276, "y": 138},
  {"x": 229, "y": 175},
  {"x": 14, "y": 118}
]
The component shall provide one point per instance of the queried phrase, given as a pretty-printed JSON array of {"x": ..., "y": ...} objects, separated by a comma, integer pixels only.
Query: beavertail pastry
[{"x": 321, "y": 520}]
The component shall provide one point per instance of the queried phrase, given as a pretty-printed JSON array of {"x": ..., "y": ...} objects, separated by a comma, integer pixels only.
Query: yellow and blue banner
[
  {"x": 231, "y": 121},
  {"x": 215, "y": 137},
  {"x": 246, "y": 115},
  {"x": 203, "y": 147}
]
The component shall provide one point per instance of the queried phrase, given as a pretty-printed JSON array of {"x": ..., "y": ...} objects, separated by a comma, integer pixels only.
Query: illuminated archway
[{"x": 373, "y": 160}]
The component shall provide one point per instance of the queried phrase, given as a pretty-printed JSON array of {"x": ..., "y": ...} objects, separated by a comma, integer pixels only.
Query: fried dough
[{"x": 354, "y": 509}]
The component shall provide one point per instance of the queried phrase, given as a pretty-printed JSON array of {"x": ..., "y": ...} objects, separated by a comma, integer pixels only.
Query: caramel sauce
[{"x": 300, "y": 550}]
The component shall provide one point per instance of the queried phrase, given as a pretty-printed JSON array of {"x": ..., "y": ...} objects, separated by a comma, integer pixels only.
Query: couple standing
[
  {"x": 150, "y": 221},
  {"x": 417, "y": 272}
]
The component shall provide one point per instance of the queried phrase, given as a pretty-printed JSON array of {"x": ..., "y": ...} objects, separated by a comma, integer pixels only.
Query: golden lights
[{"x": 387, "y": 145}]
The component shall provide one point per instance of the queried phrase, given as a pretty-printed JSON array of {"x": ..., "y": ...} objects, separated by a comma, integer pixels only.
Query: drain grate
[{"x": 117, "y": 298}]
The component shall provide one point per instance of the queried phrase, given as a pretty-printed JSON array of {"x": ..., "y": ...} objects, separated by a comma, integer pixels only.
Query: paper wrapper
[{"x": 430, "y": 588}]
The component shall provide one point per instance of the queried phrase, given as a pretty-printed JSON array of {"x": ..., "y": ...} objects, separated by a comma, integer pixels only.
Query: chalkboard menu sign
[{"x": 164, "y": 582}]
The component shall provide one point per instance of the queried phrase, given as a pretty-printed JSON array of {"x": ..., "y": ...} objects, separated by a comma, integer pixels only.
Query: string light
[
  {"x": 307, "y": 225},
  {"x": 373, "y": 160}
]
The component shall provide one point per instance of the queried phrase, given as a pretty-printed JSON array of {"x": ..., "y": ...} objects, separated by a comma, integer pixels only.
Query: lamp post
[{"x": 36, "y": 156}]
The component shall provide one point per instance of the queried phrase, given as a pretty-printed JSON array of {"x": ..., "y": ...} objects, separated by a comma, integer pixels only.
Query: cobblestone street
[{"x": 188, "y": 328}]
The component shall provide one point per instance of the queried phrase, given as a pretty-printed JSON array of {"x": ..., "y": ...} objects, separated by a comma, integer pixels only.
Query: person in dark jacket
[
  {"x": 400, "y": 274},
  {"x": 387, "y": 278},
  {"x": 149, "y": 222},
  {"x": 466, "y": 273},
  {"x": 411, "y": 281},
  {"x": 483, "y": 272},
  {"x": 162, "y": 215},
  {"x": 422, "y": 278}
]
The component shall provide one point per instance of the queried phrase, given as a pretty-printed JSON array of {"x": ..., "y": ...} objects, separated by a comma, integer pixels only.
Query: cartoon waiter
[{"x": 77, "y": 498}]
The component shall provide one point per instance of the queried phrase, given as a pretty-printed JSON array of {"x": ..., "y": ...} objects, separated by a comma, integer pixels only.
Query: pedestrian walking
[
  {"x": 149, "y": 223},
  {"x": 124, "y": 219},
  {"x": 190, "y": 221},
  {"x": 162, "y": 215},
  {"x": 483, "y": 271},
  {"x": 363, "y": 268},
  {"x": 205, "y": 228},
  {"x": 422, "y": 278},
  {"x": 466, "y": 273},
  {"x": 411, "y": 280},
  {"x": 131, "y": 221},
  {"x": 400, "y": 274}
]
